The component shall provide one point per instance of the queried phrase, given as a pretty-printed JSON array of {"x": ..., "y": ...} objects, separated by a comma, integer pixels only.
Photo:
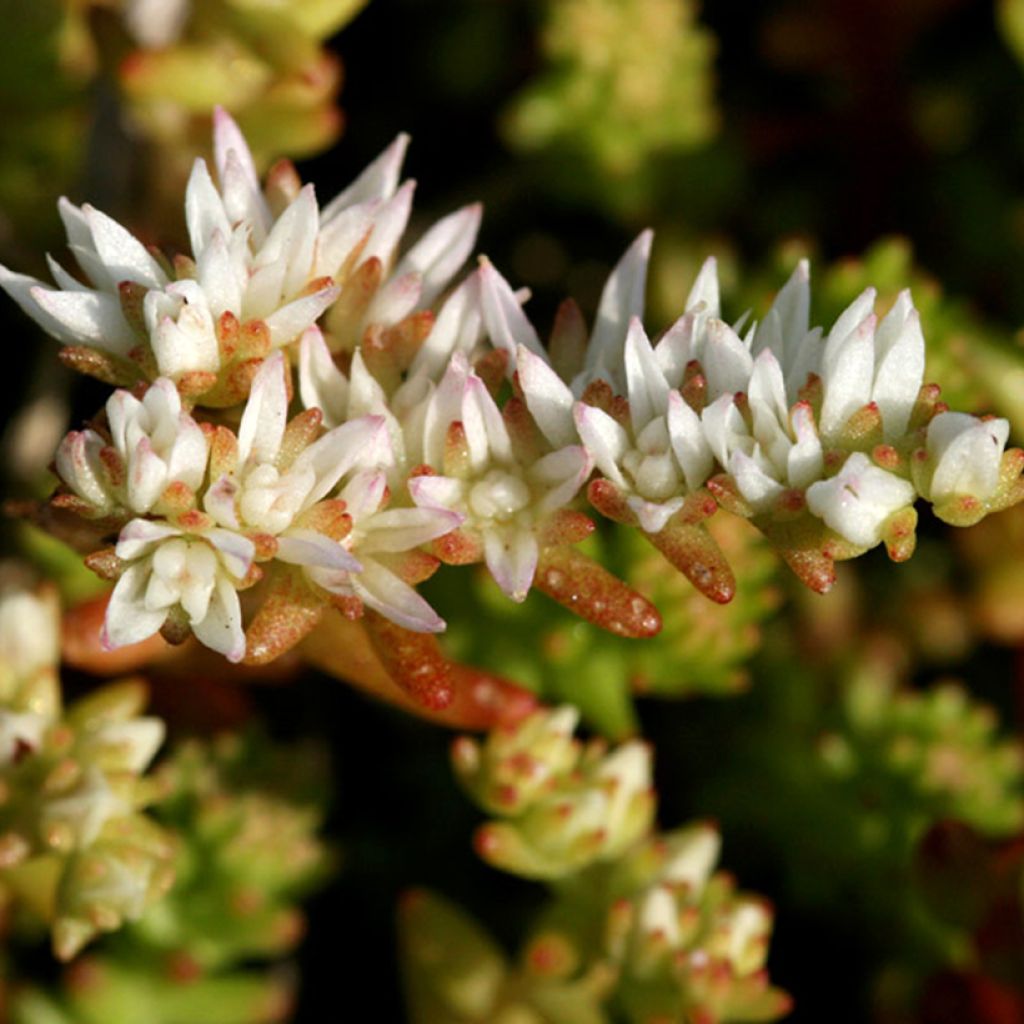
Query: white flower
[
  {"x": 366, "y": 564},
  {"x": 264, "y": 495},
  {"x": 661, "y": 455},
  {"x": 966, "y": 452},
  {"x": 505, "y": 498},
  {"x": 857, "y": 501},
  {"x": 341, "y": 398},
  {"x": 154, "y": 443},
  {"x": 167, "y": 568},
  {"x": 777, "y": 449}
]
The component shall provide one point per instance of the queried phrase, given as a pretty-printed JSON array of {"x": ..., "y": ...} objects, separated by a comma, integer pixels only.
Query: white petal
[
  {"x": 805, "y": 461},
  {"x": 458, "y": 327},
  {"x": 968, "y": 452},
  {"x": 605, "y": 440},
  {"x": 127, "y": 619},
  {"x": 239, "y": 182},
  {"x": 20, "y": 287},
  {"x": 899, "y": 365},
  {"x": 147, "y": 477},
  {"x": 846, "y": 374},
  {"x": 290, "y": 245},
  {"x": 364, "y": 494},
  {"x": 382, "y": 590},
  {"x": 389, "y": 226},
  {"x": 564, "y": 473},
  {"x": 856, "y": 502},
  {"x": 266, "y": 414},
  {"x": 441, "y": 252},
  {"x": 124, "y": 256},
  {"x": 724, "y": 429},
  {"x": 675, "y": 349},
  {"x": 504, "y": 320},
  {"x": 139, "y": 536},
  {"x": 402, "y": 529},
  {"x": 321, "y": 384},
  {"x": 79, "y": 466},
  {"x": 394, "y": 300},
  {"x": 378, "y": 181},
  {"x": 236, "y": 552},
  {"x": 726, "y": 360},
  {"x": 340, "y": 236},
  {"x": 849, "y": 320},
  {"x": 688, "y": 442},
  {"x": 511, "y": 557},
  {"x": 807, "y": 359},
  {"x": 443, "y": 409},
  {"x": 792, "y": 306},
  {"x": 187, "y": 459},
  {"x": 90, "y": 318},
  {"x": 756, "y": 486},
  {"x": 621, "y": 300},
  {"x": 766, "y": 391},
  {"x": 547, "y": 397},
  {"x": 307, "y": 547},
  {"x": 204, "y": 209},
  {"x": 705, "y": 291},
  {"x": 220, "y": 501},
  {"x": 361, "y": 443},
  {"x": 646, "y": 385},
  {"x": 75, "y": 224},
  {"x": 288, "y": 322},
  {"x": 486, "y": 434},
  {"x": 64, "y": 280},
  {"x": 654, "y": 515},
  {"x": 220, "y": 279},
  {"x": 436, "y": 492},
  {"x": 221, "y": 628}
]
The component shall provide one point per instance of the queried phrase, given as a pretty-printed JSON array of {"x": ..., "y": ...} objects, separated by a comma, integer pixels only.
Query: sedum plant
[{"x": 320, "y": 440}]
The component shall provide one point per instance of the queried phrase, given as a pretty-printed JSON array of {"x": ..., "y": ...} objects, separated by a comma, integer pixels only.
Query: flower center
[
  {"x": 652, "y": 464},
  {"x": 499, "y": 495}
]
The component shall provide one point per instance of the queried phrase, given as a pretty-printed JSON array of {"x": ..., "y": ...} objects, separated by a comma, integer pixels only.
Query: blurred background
[{"x": 840, "y": 742}]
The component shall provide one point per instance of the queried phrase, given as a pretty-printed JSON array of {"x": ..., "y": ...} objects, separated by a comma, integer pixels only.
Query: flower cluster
[
  {"x": 74, "y": 846},
  {"x": 212, "y": 949},
  {"x": 563, "y": 806},
  {"x": 436, "y": 427},
  {"x": 688, "y": 945},
  {"x": 640, "y": 926},
  {"x": 926, "y": 756},
  {"x": 823, "y": 440}
]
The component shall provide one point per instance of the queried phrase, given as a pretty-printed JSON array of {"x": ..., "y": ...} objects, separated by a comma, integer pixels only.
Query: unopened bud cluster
[
  {"x": 212, "y": 948},
  {"x": 927, "y": 756},
  {"x": 641, "y": 928},
  {"x": 75, "y": 849},
  {"x": 562, "y": 805}
]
